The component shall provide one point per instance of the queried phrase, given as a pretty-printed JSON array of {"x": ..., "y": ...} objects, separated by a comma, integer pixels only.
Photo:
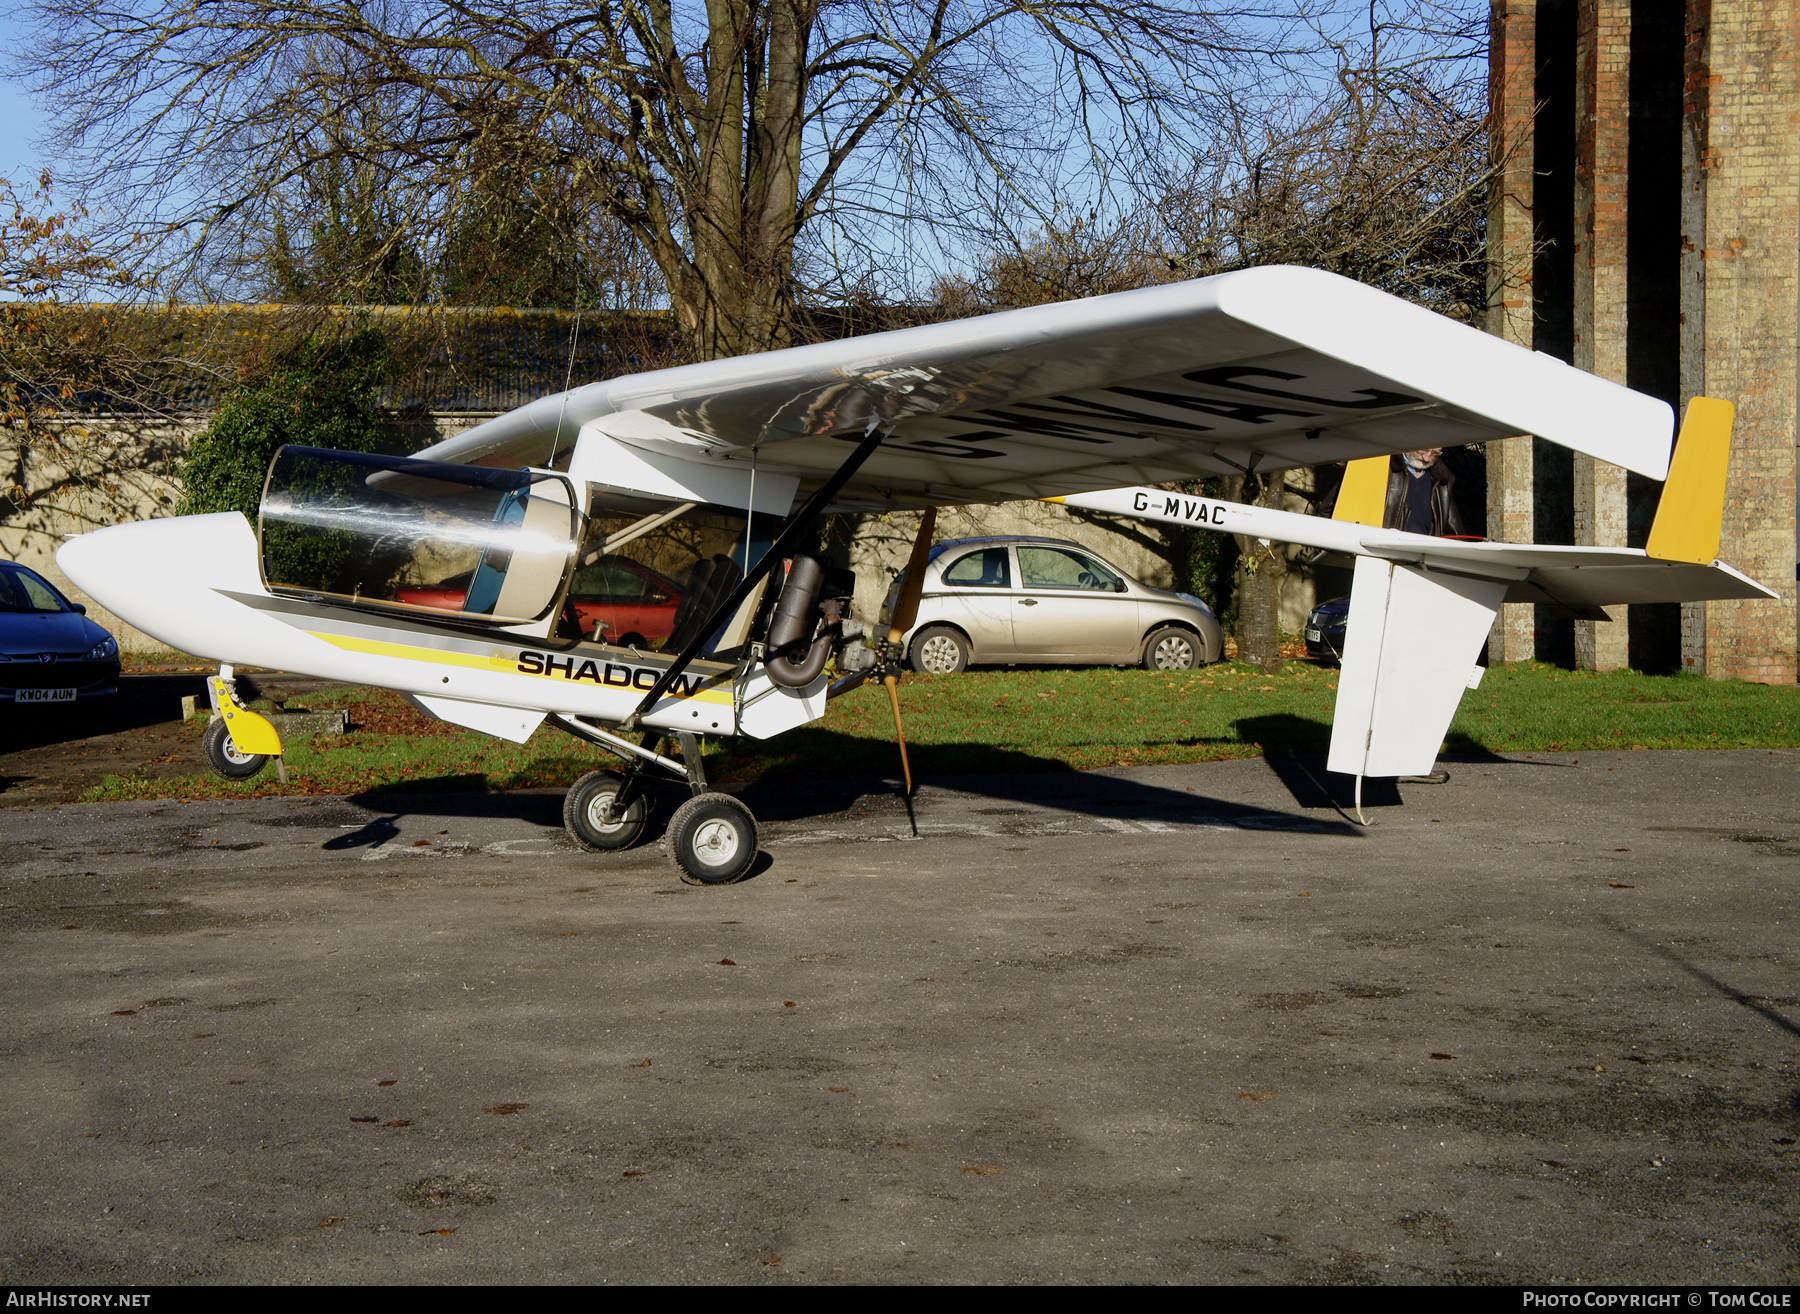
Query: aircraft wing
[{"x": 1261, "y": 369}]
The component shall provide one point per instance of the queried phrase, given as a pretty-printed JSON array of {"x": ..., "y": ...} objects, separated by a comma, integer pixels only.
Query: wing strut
[{"x": 791, "y": 533}]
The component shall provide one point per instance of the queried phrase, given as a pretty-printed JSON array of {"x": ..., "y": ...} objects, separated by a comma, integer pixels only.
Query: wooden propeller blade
[
  {"x": 906, "y": 606},
  {"x": 893, "y": 689}
]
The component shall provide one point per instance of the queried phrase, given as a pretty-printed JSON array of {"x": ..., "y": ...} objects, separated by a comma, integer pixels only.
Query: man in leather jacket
[{"x": 1419, "y": 498}]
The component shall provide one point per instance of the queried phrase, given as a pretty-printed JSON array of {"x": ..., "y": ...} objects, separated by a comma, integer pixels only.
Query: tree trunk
[
  {"x": 736, "y": 293},
  {"x": 1262, "y": 567}
]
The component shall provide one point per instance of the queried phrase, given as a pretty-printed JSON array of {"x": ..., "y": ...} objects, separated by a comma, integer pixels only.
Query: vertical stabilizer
[
  {"x": 1362, "y": 497},
  {"x": 1692, "y": 506}
]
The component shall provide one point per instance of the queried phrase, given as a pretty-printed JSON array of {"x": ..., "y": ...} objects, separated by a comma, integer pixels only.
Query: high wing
[{"x": 1261, "y": 369}]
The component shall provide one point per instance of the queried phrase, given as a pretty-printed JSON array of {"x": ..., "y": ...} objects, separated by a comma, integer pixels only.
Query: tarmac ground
[{"x": 1188, "y": 1024}]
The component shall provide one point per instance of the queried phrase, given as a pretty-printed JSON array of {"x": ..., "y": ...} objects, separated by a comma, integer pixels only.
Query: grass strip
[{"x": 1045, "y": 719}]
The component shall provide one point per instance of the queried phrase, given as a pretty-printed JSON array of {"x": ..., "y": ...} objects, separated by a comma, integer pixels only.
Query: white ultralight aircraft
[{"x": 627, "y": 559}]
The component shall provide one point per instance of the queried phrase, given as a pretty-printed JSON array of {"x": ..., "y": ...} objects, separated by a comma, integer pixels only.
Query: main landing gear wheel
[
  {"x": 223, "y": 755},
  {"x": 1171, "y": 650},
  {"x": 584, "y": 814},
  {"x": 712, "y": 839}
]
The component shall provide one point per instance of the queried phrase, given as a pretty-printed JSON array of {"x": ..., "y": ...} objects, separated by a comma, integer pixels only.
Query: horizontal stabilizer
[
  {"x": 1409, "y": 652},
  {"x": 510, "y": 723},
  {"x": 1574, "y": 580}
]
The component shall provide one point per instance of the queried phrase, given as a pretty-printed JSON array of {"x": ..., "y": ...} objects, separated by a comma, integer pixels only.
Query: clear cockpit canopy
[{"x": 458, "y": 541}]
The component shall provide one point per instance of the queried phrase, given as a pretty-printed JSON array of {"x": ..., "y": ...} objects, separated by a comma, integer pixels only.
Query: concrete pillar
[
  {"x": 1740, "y": 306},
  {"x": 1602, "y": 155},
  {"x": 1512, "y": 93}
]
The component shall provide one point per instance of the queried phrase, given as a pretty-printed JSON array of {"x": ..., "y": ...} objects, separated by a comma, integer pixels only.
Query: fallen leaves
[
  {"x": 354, "y": 1118},
  {"x": 1617, "y": 886},
  {"x": 632, "y": 1172},
  {"x": 331, "y": 1220},
  {"x": 437, "y": 1231},
  {"x": 203, "y": 1035},
  {"x": 787, "y": 1003},
  {"x": 838, "y": 1090},
  {"x": 504, "y": 1109},
  {"x": 1440, "y": 1055},
  {"x": 386, "y": 1083},
  {"x": 725, "y": 962},
  {"x": 644, "y": 1064},
  {"x": 124, "y": 1012},
  {"x": 981, "y": 1169}
]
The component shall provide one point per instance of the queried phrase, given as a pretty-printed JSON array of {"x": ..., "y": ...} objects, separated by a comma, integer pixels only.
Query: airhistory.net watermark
[{"x": 77, "y": 1300}]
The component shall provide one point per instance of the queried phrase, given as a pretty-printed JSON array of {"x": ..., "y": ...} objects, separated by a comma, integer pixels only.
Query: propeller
[{"x": 906, "y": 611}]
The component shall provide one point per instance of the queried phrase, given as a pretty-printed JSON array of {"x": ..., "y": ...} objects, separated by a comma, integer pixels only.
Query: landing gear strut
[{"x": 711, "y": 839}]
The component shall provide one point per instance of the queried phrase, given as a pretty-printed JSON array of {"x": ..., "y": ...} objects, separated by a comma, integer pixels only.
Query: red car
[
  {"x": 615, "y": 599},
  {"x": 632, "y": 604}
]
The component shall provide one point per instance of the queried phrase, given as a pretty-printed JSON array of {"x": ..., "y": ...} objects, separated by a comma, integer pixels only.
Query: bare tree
[
  {"x": 63, "y": 366},
  {"x": 1382, "y": 178},
  {"x": 719, "y": 137}
]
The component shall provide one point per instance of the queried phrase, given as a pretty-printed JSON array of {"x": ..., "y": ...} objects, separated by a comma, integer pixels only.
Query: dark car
[
  {"x": 50, "y": 652},
  {"x": 1325, "y": 630}
]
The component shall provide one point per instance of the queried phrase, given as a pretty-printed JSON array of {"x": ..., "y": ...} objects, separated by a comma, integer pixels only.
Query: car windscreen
[{"x": 20, "y": 590}]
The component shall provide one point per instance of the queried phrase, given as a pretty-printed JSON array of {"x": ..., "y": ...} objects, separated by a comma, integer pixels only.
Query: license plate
[
  {"x": 1312, "y": 636},
  {"x": 44, "y": 696}
]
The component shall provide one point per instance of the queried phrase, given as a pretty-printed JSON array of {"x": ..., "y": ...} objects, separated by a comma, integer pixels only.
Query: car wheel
[
  {"x": 712, "y": 839},
  {"x": 584, "y": 814},
  {"x": 940, "y": 650},
  {"x": 1171, "y": 649},
  {"x": 224, "y": 756}
]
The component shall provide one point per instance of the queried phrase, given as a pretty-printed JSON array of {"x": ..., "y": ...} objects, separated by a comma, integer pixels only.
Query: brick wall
[{"x": 1740, "y": 306}]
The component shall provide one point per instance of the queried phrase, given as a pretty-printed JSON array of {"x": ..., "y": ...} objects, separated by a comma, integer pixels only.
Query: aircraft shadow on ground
[{"x": 1007, "y": 777}]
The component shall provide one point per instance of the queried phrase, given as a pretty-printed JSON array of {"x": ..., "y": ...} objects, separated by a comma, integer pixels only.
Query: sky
[{"x": 20, "y": 123}]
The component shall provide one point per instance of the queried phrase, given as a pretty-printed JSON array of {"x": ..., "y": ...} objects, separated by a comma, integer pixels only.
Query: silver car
[{"x": 1017, "y": 601}]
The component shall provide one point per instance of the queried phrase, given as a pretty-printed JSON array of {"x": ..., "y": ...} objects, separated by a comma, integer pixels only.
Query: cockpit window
[
  {"x": 485, "y": 545},
  {"x": 652, "y": 571}
]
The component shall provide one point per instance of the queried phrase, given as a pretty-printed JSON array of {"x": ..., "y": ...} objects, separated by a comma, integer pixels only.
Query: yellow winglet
[
  {"x": 1362, "y": 497},
  {"x": 1693, "y": 500},
  {"x": 250, "y": 733}
]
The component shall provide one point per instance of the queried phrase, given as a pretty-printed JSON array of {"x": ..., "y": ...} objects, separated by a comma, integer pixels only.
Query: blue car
[
  {"x": 1325, "y": 631},
  {"x": 50, "y": 652}
]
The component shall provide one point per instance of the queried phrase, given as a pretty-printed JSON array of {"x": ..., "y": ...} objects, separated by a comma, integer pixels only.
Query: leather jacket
[{"x": 1444, "y": 516}]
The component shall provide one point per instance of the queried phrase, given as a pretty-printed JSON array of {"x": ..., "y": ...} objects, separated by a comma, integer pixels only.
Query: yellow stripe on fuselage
[{"x": 543, "y": 666}]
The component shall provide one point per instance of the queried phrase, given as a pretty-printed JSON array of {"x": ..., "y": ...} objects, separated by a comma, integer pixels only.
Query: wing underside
[{"x": 1262, "y": 369}]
